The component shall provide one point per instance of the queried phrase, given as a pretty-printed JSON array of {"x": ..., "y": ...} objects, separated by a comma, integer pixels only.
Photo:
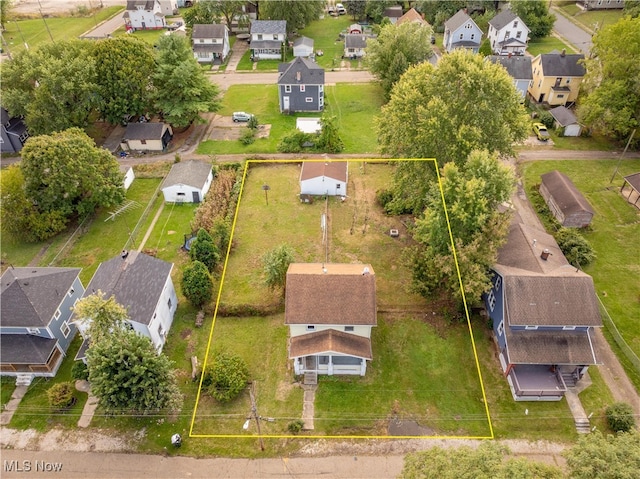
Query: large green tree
[
  {"x": 436, "y": 11},
  {"x": 182, "y": 90},
  {"x": 127, "y": 375},
  {"x": 605, "y": 457},
  {"x": 445, "y": 112},
  {"x": 211, "y": 11},
  {"x": 197, "y": 285},
  {"x": 374, "y": 9},
  {"x": 471, "y": 221},
  {"x": 100, "y": 315},
  {"x": 356, "y": 8},
  {"x": 489, "y": 460},
  {"x": 124, "y": 67},
  {"x": 395, "y": 49},
  {"x": 297, "y": 14},
  {"x": 227, "y": 377},
  {"x": 67, "y": 174},
  {"x": 204, "y": 250},
  {"x": 610, "y": 103},
  {"x": 535, "y": 14},
  {"x": 54, "y": 86},
  {"x": 632, "y": 8}
]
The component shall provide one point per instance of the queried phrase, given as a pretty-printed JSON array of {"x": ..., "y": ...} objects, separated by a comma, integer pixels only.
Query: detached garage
[
  {"x": 565, "y": 201},
  {"x": 566, "y": 121},
  {"x": 187, "y": 182},
  {"x": 324, "y": 178},
  {"x": 146, "y": 137}
]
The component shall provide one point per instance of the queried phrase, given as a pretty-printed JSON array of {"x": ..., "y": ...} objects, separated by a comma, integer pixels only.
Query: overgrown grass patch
[
  {"x": 325, "y": 34},
  {"x": 547, "y": 45}
]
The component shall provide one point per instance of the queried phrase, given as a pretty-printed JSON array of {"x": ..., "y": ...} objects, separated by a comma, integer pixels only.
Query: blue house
[
  {"x": 300, "y": 86},
  {"x": 544, "y": 313},
  {"x": 35, "y": 326},
  {"x": 13, "y": 132}
]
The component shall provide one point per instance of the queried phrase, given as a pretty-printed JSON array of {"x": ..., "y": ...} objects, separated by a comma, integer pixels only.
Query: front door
[
  {"x": 541, "y": 99},
  {"x": 196, "y": 197},
  {"x": 285, "y": 103},
  {"x": 310, "y": 363}
]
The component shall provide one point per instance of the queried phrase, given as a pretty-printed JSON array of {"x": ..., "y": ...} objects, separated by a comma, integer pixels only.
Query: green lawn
[
  {"x": 547, "y": 45},
  {"x": 149, "y": 36},
  {"x": 613, "y": 233},
  {"x": 591, "y": 20},
  {"x": 34, "y": 32},
  {"x": 325, "y": 36},
  {"x": 354, "y": 105}
]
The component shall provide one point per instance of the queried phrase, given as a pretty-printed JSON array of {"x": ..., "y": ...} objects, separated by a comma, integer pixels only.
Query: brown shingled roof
[
  {"x": 565, "y": 193},
  {"x": 330, "y": 293},
  {"x": 330, "y": 341},
  {"x": 331, "y": 169}
]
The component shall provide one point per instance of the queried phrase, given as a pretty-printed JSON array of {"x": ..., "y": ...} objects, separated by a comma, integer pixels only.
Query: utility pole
[
  {"x": 254, "y": 413},
  {"x": 45, "y": 22},
  {"x": 622, "y": 155}
]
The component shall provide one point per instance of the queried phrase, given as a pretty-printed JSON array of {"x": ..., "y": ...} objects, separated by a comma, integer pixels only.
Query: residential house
[
  {"x": 518, "y": 67},
  {"x": 210, "y": 43},
  {"x": 556, "y": 78},
  {"x": 143, "y": 15},
  {"x": 169, "y": 7},
  {"x": 600, "y": 4},
  {"x": 460, "y": 31},
  {"x": 300, "y": 86},
  {"x": 187, "y": 182},
  {"x": 303, "y": 47},
  {"x": 393, "y": 13},
  {"x": 565, "y": 121},
  {"x": 142, "y": 285},
  {"x": 508, "y": 34},
  {"x": 544, "y": 313},
  {"x": 146, "y": 137},
  {"x": 320, "y": 178},
  {"x": 129, "y": 176},
  {"x": 13, "y": 133},
  {"x": 35, "y": 326},
  {"x": 355, "y": 28},
  {"x": 267, "y": 39},
  {"x": 185, "y": 3},
  {"x": 330, "y": 310},
  {"x": 565, "y": 201},
  {"x": 354, "y": 45},
  {"x": 412, "y": 16}
]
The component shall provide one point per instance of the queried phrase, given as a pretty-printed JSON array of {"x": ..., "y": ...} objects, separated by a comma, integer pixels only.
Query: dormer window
[{"x": 515, "y": 24}]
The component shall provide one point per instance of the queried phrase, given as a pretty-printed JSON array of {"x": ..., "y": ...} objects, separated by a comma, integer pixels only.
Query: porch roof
[
  {"x": 550, "y": 347},
  {"x": 25, "y": 349},
  {"x": 330, "y": 341}
]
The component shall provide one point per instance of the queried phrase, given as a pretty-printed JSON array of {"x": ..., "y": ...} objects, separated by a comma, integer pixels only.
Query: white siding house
[
  {"x": 460, "y": 31},
  {"x": 303, "y": 47},
  {"x": 210, "y": 43},
  {"x": 324, "y": 178},
  {"x": 267, "y": 38},
  {"x": 187, "y": 182},
  {"x": 144, "y": 15}
]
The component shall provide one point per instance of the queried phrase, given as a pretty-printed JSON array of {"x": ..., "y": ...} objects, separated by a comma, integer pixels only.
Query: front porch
[
  {"x": 529, "y": 382},
  {"x": 330, "y": 364}
]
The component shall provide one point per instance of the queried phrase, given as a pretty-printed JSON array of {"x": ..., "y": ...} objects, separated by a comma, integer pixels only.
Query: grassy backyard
[
  {"x": 589, "y": 20},
  {"x": 615, "y": 228}
]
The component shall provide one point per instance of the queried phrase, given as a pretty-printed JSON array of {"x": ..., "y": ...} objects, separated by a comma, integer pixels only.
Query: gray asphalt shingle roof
[
  {"x": 31, "y": 296},
  {"x": 457, "y": 21},
  {"x": 204, "y": 30},
  {"x": 550, "y": 347},
  {"x": 355, "y": 40},
  {"x": 503, "y": 18},
  {"x": 136, "y": 281},
  {"x": 566, "y": 195},
  {"x": 310, "y": 73},
  {"x": 330, "y": 340},
  {"x": 144, "y": 131},
  {"x": 269, "y": 26},
  {"x": 518, "y": 66},
  {"x": 562, "y": 65},
  {"x": 563, "y": 115},
  {"x": 25, "y": 349},
  {"x": 191, "y": 173}
]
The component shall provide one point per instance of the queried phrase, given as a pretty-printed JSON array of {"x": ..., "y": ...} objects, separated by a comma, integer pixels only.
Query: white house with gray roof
[
  {"x": 460, "y": 31},
  {"x": 300, "y": 86},
  {"x": 303, "y": 47},
  {"x": 210, "y": 43},
  {"x": 144, "y": 15},
  {"x": 146, "y": 137},
  {"x": 187, "y": 182},
  {"x": 508, "y": 34},
  {"x": 267, "y": 39},
  {"x": 355, "y": 45},
  {"x": 518, "y": 68},
  {"x": 35, "y": 325},
  {"x": 142, "y": 285}
]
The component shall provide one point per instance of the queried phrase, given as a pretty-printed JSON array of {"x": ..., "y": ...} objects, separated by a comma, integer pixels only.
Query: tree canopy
[
  {"x": 297, "y": 14},
  {"x": 276, "y": 262},
  {"x": 101, "y": 315},
  {"x": 395, "y": 49},
  {"x": 124, "y": 67},
  {"x": 227, "y": 377},
  {"x": 182, "y": 90},
  {"x": 535, "y": 14},
  {"x": 471, "y": 221},
  {"x": 197, "y": 285},
  {"x": 53, "y": 87},
  {"x": 605, "y": 457},
  {"x": 611, "y": 100},
  {"x": 68, "y": 174},
  {"x": 204, "y": 250},
  {"x": 127, "y": 375}
]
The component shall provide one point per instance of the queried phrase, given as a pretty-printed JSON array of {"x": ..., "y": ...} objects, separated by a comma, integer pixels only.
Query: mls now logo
[{"x": 28, "y": 466}]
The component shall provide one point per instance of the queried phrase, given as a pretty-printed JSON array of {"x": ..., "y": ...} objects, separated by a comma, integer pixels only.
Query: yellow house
[{"x": 556, "y": 78}]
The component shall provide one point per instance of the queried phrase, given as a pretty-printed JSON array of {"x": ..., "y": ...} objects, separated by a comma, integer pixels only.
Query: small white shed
[
  {"x": 324, "y": 178},
  {"x": 129, "y": 176},
  {"x": 187, "y": 182},
  {"x": 303, "y": 47},
  {"x": 566, "y": 121},
  {"x": 308, "y": 125}
]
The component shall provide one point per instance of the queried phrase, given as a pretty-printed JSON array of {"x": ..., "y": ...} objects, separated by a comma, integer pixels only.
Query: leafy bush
[
  {"x": 620, "y": 417},
  {"x": 295, "y": 426},
  {"x": 546, "y": 119},
  {"x": 229, "y": 376},
  {"x": 248, "y": 137},
  {"x": 60, "y": 395},
  {"x": 197, "y": 285},
  {"x": 575, "y": 247},
  {"x": 79, "y": 371},
  {"x": 294, "y": 142},
  {"x": 384, "y": 197},
  {"x": 252, "y": 124},
  {"x": 204, "y": 250}
]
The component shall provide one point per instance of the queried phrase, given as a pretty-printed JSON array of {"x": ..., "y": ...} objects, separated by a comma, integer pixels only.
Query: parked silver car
[{"x": 241, "y": 116}]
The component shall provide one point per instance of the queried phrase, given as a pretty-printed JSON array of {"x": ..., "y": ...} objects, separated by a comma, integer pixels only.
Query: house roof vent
[
  {"x": 545, "y": 254},
  {"x": 365, "y": 271}
]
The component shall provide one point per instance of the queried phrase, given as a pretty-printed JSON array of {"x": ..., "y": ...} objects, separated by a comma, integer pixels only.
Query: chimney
[
  {"x": 509, "y": 55},
  {"x": 563, "y": 53},
  {"x": 545, "y": 254},
  {"x": 365, "y": 271},
  {"x": 298, "y": 76}
]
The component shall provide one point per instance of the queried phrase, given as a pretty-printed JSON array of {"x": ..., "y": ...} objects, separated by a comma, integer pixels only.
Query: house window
[
  {"x": 169, "y": 303},
  {"x": 461, "y": 36},
  {"x": 143, "y": 142},
  {"x": 311, "y": 327},
  {"x": 473, "y": 35},
  {"x": 560, "y": 96},
  {"x": 321, "y": 88},
  {"x": 337, "y": 186},
  {"x": 33, "y": 331},
  {"x": 161, "y": 332},
  {"x": 468, "y": 26},
  {"x": 309, "y": 99},
  {"x": 201, "y": 40},
  {"x": 65, "y": 329},
  {"x": 348, "y": 329},
  {"x": 498, "y": 283},
  {"x": 539, "y": 83},
  {"x": 501, "y": 328},
  {"x": 568, "y": 80},
  {"x": 302, "y": 87},
  {"x": 515, "y": 24},
  {"x": 71, "y": 291},
  {"x": 57, "y": 314},
  {"x": 491, "y": 299},
  {"x": 23, "y": 137},
  {"x": 275, "y": 36},
  {"x": 568, "y": 328},
  {"x": 323, "y": 360},
  {"x": 287, "y": 88},
  {"x": 507, "y": 34},
  {"x": 259, "y": 36},
  {"x": 181, "y": 193},
  {"x": 518, "y": 35},
  {"x": 531, "y": 328}
]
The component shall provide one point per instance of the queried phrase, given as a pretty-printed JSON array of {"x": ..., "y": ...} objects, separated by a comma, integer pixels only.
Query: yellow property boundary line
[{"x": 248, "y": 164}]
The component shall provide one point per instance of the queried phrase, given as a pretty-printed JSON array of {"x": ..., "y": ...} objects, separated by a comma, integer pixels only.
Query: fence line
[
  {"x": 64, "y": 246},
  {"x": 611, "y": 327},
  {"x": 144, "y": 215}
]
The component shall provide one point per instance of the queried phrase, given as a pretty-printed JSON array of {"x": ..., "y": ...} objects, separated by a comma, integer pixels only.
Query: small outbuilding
[
  {"x": 129, "y": 176},
  {"x": 187, "y": 182},
  {"x": 565, "y": 201},
  {"x": 303, "y": 47},
  {"x": 566, "y": 121},
  {"x": 146, "y": 137},
  {"x": 324, "y": 178},
  {"x": 631, "y": 188},
  {"x": 309, "y": 125}
]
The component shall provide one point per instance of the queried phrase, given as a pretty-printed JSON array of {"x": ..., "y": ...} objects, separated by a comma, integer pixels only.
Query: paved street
[{"x": 572, "y": 33}]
